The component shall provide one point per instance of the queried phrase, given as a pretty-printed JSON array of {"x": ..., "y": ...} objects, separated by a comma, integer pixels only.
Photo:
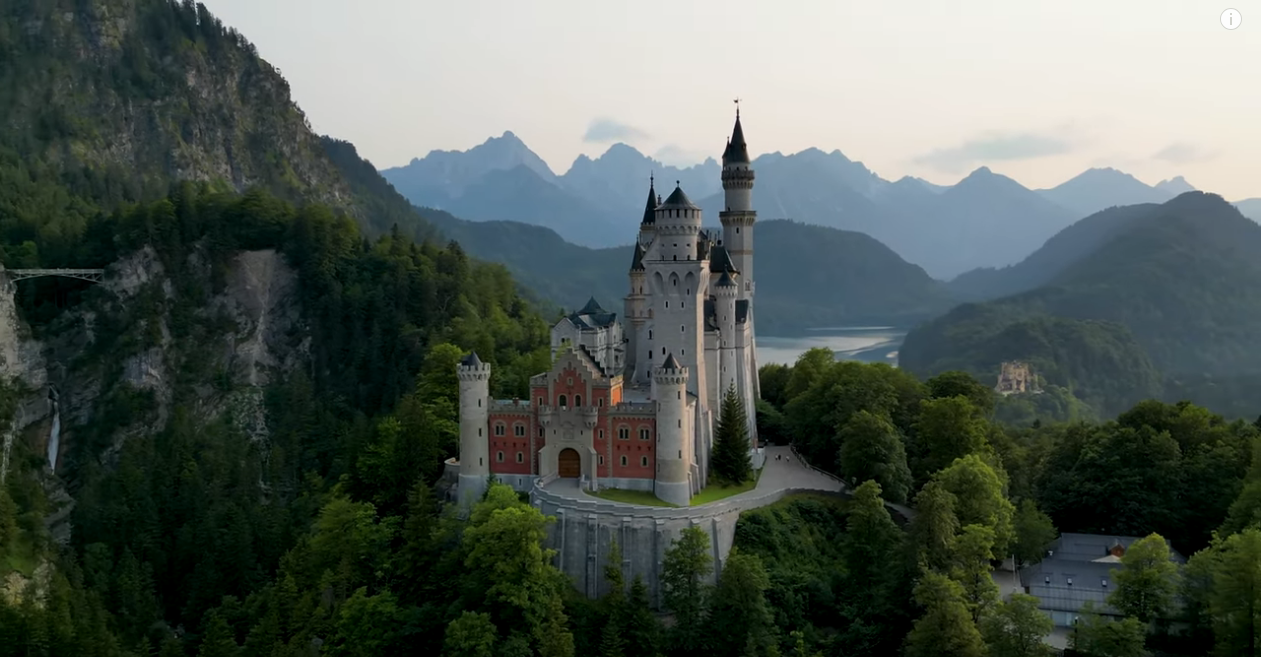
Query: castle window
[
  {"x": 649, "y": 354},
  {"x": 570, "y": 381},
  {"x": 643, "y": 461},
  {"x": 500, "y": 429},
  {"x": 600, "y": 402},
  {"x": 623, "y": 459},
  {"x": 680, "y": 424},
  {"x": 479, "y": 432},
  {"x": 680, "y": 453},
  {"x": 683, "y": 304},
  {"x": 667, "y": 304},
  {"x": 479, "y": 461},
  {"x": 623, "y": 433},
  {"x": 676, "y": 257},
  {"x": 645, "y": 434},
  {"x": 601, "y": 434},
  {"x": 540, "y": 401},
  {"x": 682, "y": 328},
  {"x": 499, "y": 456},
  {"x": 663, "y": 351},
  {"x": 518, "y": 430},
  {"x": 737, "y": 230},
  {"x": 683, "y": 352},
  {"x": 564, "y": 401},
  {"x": 679, "y": 393},
  {"x": 649, "y": 334},
  {"x": 577, "y": 401},
  {"x": 520, "y": 457},
  {"x": 479, "y": 403},
  {"x": 542, "y": 432},
  {"x": 601, "y": 459}
]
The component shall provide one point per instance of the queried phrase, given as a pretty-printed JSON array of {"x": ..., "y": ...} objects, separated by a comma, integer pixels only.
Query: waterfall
[
  {"x": 54, "y": 435},
  {"x": 4, "y": 452}
]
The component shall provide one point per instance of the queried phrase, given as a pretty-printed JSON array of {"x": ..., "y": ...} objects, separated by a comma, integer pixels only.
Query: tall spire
[
  {"x": 653, "y": 202},
  {"x": 737, "y": 152}
]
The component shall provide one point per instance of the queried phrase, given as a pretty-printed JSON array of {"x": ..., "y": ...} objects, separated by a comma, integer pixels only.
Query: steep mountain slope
[
  {"x": 1059, "y": 252},
  {"x": 1250, "y": 208},
  {"x": 1098, "y": 189},
  {"x": 808, "y": 276},
  {"x": 986, "y": 218},
  {"x": 114, "y": 101},
  {"x": 442, "y": 176},
  {"x": 1182, "y": 277}
]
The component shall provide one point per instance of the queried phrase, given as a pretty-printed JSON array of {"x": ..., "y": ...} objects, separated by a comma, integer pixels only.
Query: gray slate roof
[
  {"x": 677, "y": 200},
  {"x": 720, "y": 260},
  {"x": 637, "y": 260},
  {"x": 592, "y": 316},
  {"x": 671, "y": 363},
  {"x": 650, "y": 217},
  {"x": 737, "y": 151},
  {"x": 1076, "y": 558},
  {"x": 471, "y": 360}
]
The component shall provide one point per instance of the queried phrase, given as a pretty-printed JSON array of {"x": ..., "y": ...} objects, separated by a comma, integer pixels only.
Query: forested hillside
[
  {"x": 1180, "y": 277},
  {"x": 807, "y": 276}
]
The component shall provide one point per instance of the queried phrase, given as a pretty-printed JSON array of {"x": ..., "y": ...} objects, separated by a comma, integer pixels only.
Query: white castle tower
[
  {"x": 738, "y": 217},
  {"x": 674, "y": 433},
  {"x": 474, "y": 412}
]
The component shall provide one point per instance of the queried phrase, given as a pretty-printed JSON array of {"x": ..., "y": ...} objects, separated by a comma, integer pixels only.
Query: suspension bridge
[{"x": 10, "y": 276}]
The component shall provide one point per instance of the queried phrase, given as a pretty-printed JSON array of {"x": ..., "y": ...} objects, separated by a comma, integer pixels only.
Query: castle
[{"x": 634, "y": 405}]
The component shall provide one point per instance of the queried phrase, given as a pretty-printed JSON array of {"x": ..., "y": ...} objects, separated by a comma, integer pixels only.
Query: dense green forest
[{"x": 1155, "y": 300}]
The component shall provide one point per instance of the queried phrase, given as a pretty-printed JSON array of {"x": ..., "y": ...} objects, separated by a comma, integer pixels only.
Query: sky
[{"x": 1038, "y": 91}]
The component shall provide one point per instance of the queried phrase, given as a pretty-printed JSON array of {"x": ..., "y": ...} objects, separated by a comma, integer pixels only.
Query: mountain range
[{"x": 985, "y": 220}]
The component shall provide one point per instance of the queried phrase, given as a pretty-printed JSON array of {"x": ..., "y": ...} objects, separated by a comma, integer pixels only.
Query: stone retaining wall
[{"x": 585, "y": 529}]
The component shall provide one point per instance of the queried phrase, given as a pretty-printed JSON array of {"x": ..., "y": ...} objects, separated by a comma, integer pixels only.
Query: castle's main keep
[{"x": 632, "y": 404}]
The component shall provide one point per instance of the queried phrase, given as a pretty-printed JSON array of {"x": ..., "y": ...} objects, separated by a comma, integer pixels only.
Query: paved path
[{"x": 789, "y": 471}]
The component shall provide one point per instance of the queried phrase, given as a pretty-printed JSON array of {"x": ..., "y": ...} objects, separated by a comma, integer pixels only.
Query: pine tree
[{"x": 730, "y": 459}]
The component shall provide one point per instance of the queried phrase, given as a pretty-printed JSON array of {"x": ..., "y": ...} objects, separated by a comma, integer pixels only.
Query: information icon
[{"x": 1231, "y": 19}]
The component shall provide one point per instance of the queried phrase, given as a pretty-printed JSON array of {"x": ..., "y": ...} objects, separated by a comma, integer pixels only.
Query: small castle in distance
[
  {"x": 631, "y": 403},
  {"x": 1016, "y": 377}
]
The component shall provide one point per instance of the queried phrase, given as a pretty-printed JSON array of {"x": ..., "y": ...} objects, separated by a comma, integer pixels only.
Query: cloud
[
  {"x": 606, "y": 130},
  {"x": 1183, "y": 153},
  {"x": 993, "y": 147}
]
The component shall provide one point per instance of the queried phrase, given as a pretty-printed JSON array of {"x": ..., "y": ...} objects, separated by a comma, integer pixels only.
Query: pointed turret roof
[
  {"x": 650, "y": 217},
  {"x": 726, "y": 280},
  {"x": 671, "y": 363},
  {"x": 720, "y": 260},
  {"x": 678, "y": 200},
  {"x": 737, "y": 151},
  {"x": 471, "y": 360},
  {"x": 592, "y": 308},
  {"x": 637, "y": 261}
]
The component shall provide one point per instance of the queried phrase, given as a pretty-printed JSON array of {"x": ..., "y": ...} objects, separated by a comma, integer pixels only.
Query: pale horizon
[{"x": 1156, "y": 89}]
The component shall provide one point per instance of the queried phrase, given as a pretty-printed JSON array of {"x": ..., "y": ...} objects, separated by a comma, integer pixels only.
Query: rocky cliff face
[
  {"x": 259, "y": 338},
  {"x": 157, "y": 90}
]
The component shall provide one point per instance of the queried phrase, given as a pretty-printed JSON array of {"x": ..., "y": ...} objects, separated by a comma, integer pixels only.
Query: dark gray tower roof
[
  {"x": 678, "y": 201},
  {"x": 650, "y": 217},
  {"x": 637, "y": 261},
  {"x": 737, "y": 151},
  {"x": 671, "y": 363},
  {"x": 592, "y": 308},
  {"x": 720, "y": 260},
  {"x": 471, "y": 360},
  {"x": 726, "y": 281}
]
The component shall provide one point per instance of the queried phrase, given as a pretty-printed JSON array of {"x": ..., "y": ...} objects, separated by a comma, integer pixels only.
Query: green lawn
[
  {"x": 714, "y": 492},
  {"x": 644, "y": 498}
]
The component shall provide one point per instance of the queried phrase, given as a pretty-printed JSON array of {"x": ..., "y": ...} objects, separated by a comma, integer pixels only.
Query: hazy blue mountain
[
  {"x": 1175, "y": 186},
  {"x": 808, "y": 276},
  {"x": 986, "y": 218},
  {"x": 442, "y": 176},
  {"x": 1250, "y": 208},
  {"x": 618, "y": 179},
  {"x": 1098, "y": 189}
]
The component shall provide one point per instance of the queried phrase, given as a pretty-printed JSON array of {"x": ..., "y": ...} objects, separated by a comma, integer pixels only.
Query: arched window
[
  {"x": 623, "y": 459},
  {"x": 499, "y": 456},
  {"x": 643, "y": 461},
  {"x": 577, "y": 401},
  {"x": 521, "y": 457},
  {"x": 564, "y": 401},
  {"x": 500, "y": 429}
]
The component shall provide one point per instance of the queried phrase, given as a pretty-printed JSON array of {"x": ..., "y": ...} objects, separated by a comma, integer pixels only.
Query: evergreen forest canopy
[{"x": 324, "y": 535}]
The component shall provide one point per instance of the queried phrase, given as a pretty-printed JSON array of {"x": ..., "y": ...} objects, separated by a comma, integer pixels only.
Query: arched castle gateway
[{"x": 634, "y": 405}]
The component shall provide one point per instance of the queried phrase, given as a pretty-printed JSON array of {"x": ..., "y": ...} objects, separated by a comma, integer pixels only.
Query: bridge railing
[{"x": 92, "y": 275}]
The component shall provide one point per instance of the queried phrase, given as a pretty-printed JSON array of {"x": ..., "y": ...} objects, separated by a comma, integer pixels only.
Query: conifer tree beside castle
[{"x": 731, "y": 462}]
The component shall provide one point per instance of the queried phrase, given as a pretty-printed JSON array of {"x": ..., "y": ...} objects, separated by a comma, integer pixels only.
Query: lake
[{"x": 865, "y": 343}]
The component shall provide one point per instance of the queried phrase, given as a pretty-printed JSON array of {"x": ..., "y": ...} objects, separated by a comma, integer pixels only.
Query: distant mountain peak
[{"x": 1175, "y": 185}]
